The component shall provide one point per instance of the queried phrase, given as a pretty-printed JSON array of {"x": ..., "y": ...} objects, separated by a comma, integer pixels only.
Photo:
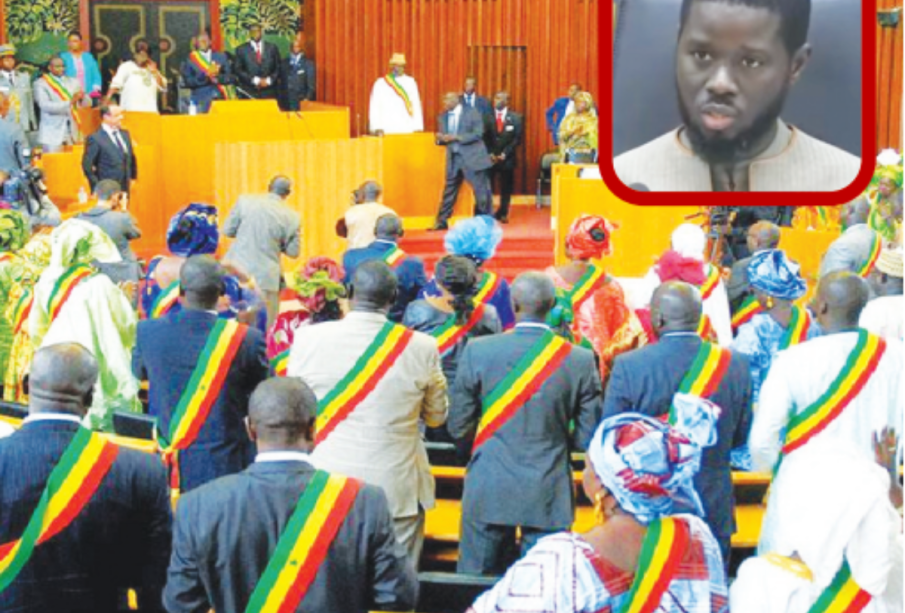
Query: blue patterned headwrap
[
  {"x": 475, "y": 238},
  {"x": 193, "y": 231},
  {"x": 774, "y": 274}
]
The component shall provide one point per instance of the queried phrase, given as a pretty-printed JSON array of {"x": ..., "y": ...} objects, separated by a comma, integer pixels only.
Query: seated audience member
[
  {"x": 798, "y": 400},
  {"x": 516, "y": 396},
  {"x": 560, "y": 109},
  {"x": 113, "y": 535},
  {"x": 477, "y": 239},
  {"x": 26, "y": 192},
  {"x": 193, "y": 359},
  {"x": 578, "y": 132},
  {"x": 597, "y": 570},
  {"x": 830, "y": 524},
  {"x": 590, "y": 307},
  {"x": 760, "y": 236},
  {"x": 74, "y": 304},
  {"x": 375, "y": 380},
  {"x": 232, "y": 535},
  {"x": 409, "y": 270},
  {"x": 14, "y": 234},
  {"x": 193, "y": 231},
  {"x": 883, "y": 314},
  {"x": 58, "y": 97},
  {"x": 856, "y": 250},
  {"x": 110, "y": 215},
  {"x": 312, "y": 297},
  {"x": 357, "y": 226},
  {"x": 647, "y": 380}
]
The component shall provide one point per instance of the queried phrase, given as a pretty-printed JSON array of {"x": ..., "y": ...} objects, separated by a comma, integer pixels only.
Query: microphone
[{"x": 639, "y": 187}]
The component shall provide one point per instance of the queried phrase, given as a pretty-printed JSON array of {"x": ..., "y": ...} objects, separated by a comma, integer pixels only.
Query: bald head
[
  {"x": 763, "y": 235},
  {"x": 533, "y": 296},
  {"x": 389, "y": 228},
  {"x": 675, "y": 307},
  {"x": 201, "y": 282},
  {"x": 855, "y": 212},
  {"x": 841, "y": 296},
  {"x": 281, "y": 415},
  {"x": 62, "y": 379},
  {"x": 281, "y": 186},
  {"x": 374, "y": 287}
]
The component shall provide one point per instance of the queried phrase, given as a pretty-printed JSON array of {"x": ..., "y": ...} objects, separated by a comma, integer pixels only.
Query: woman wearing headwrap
[
  {"x": 885, "y": 207},
  {"x": 639, "y": 473},
  {"x": 590, "y": 305},
  {"x": 74, "y": 304},
  {"x": 312, "y": 297},
  {"x": 13, "y": 235},
  {"x": 829, "y": 517},
  {"x": 477, "y": 239},
  {"x": 578, "y": 131},
  {"x": 193, "y": 231}
]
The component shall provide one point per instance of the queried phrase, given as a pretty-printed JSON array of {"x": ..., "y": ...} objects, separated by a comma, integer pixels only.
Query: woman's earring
[{"x": 770, "y": 302}]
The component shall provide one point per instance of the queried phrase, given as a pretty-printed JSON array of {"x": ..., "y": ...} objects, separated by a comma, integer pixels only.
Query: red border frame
[{"x": 868, "y": 135}]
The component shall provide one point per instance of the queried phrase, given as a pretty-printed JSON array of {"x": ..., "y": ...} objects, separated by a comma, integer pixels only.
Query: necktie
[
  {"x": 118, "y": 139},
  {"x": 499, "y": 122},
  {"x": 258, "y": 52}
]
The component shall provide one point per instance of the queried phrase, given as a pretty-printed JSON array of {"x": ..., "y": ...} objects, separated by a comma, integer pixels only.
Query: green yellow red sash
[
  {"x": 200, "y": 393},
  {"x": 207, "y": 67},
  {"x": 875, "y": 248},
  {"x": 710, "y": 283},
  {"x": 585, "y": 287},
  {"x": 57, "y": 87},
  {"x": 487, "y": 287},
  {"x": 843, "y": 595},
  {"x": 361, "y": 380},
  {"x": 390, "y": 80},
  {"x": 165, "y": 300},
  {"x": 707, "y": 370},
  {"x": 749, "y": 308},
  {"x": 279, "y": 363},
  {"x": 705, "y": 329},
  {"x": 860, "y": 365},
  {"x": 22, "y": 310},
  {"x": 394, "y": 257},
  {"x": 522, "y": 382},
  {"x": 71, "y": 484},
  {"x": 5, "y": 257},
  {"x": 662, "y": 551},
  {"x": 797, "y": 332},
  {"x": 64, "y": 286},
  {"x": 450, "y": 333},
  {"x": 304, "y": 543}
]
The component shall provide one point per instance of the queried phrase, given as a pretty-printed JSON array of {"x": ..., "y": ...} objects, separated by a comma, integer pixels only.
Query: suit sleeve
[
  {"x": 519, "y": 125},
  {"x": 89, "y": 160},
  {"x": 312, "y": 82},
  {"x": 256, "y": 367},
  {"x": 587, "y": 411},
  {"x": 466, "y": 399},
  {"x": 48, "y": 103},
  {"x": 274, "y": 72},
  {"x": 772, "y": 416},
  {"x": 138, "y": 364},
  {"x": 239, "y": 67},
  {"x": 155, "y": 505},
  {"x": 193, "y": 77},
  {"x": 226, "y": 76},
  {"x": 131, "y": 231},
  {"x": 233, "y": 220},
  {"x": 293, "y": 246},
  {"x": 393, "y": 581},
  {"x": 738, "y": 281},
  {"x": 743, "y": 402},
  {"x": 184, "y": 591},
  {"x": 551, "y": 118},
  {"x": 475, "y": 131},
  {"x": 134, "y": 169},
  {"x": 435, "y": 406},
  {"x": 617, "y": 398}
]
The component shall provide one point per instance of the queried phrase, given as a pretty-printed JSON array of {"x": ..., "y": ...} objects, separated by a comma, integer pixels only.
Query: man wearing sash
[
  {"x": 646, "y": 380},
  {"x": 231, "y": 535},
  {"x": 106, "y": 525},
  {"x": 844, "y": 385},
  {"x": 200, "y": 371},
  {"x": 207, "y": 74},
  {"x": 856, "y": 249},
  {"x": 395, "y": 102},
  {"x": 409, "y": 269},
  {"x": 375, "y": 382},
  {"x": 58, "y": 97},
  {"x": 516, "y": 396}
]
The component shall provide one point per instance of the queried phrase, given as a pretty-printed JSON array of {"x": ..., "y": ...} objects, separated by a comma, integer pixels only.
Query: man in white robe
[{"x": 395, "y": 102}]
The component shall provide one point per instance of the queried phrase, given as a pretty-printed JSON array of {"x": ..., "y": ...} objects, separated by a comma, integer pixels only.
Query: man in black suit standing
[
  {"x": 471, "y": 99},
  {"x": 108, "y": 152},
  {"x": 226, "y": 532},
  {"x": 115, "y": 537},
  {"x": 172, "y": 350},
  {"x": 297, "y": 77},
  {"x": 504, "y": 135},
  {"x": 645, "y": 381},
  {"x": 462, "y": 133},
  {"x": 519, "y": 474},
  {"x": 257, "y": 65}
]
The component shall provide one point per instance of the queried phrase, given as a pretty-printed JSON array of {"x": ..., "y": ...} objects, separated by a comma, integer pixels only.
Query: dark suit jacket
[
  {"x": 227, "y": 531},
  {"x": 103, "y": 159},
  {"x": 12, "y": 142},
  {"x": 295, "y": 83},
  {"x": 204, "y": 91},
  {"x": 738, "y": 286},
  {"x": 521, "y": 476},
  {"x": 471, "y": 140},
  {"x": 247, "y": 68},
  {"x": 507, "y": 141},
  {"x": 645, "y": 380},
  {"x": 410, "y": 273},
  {"x": 481, "y": 104},
  {"x": 120, "y": 540},
  {"x": 165, "y": 354}
]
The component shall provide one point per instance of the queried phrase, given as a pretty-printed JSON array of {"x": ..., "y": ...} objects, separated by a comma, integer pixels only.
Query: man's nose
[{"x": 722, "y": 82}]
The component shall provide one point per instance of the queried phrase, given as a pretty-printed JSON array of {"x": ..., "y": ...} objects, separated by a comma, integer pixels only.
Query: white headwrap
[{"x": 689, "y": 240}]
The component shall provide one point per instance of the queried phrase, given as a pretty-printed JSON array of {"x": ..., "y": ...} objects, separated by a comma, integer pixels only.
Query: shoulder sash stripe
[
  {"x": 390, "y": 80},
  {"x": 207, "y": 67},
  {"x": 662, "y": 551},
  {"x": 843, "y": 595},
  {"x": 22, "y": 310},
  {"x": 707, "y": 369},
  {"x": 585, "y": 287},
  {"x": 875, "y": 248},
  {"x": 64, "y": 287},
  {"x": 797, "y": 332},
  {"x": 705, "y": 329},
  {"x": 486, "y": 290},
  {"x": 749, "y": 308},
  {"x": 449, "y": 334},
  {"x": 394, "y": 257},
  {"x": 711, "y": 282},
  {"x": 165, "y": 300},
  {"x": 279, "y": 363}
]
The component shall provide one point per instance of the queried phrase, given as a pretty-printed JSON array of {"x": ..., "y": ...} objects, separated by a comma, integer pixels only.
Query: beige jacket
[
  {"x": 360, "y": 222},
  {"x": 379, "y": 442},
  {"x": 794, "y": 162}
]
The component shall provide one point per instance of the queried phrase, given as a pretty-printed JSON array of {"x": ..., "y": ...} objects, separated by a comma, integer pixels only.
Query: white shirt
[
  {"x": 387, "y": 110},
  {"x": 284, "y": 456},
  {"x": 456, "y": 115},
  {"x": 32, "y": 417},
  {"x": 885, "y": 316},
  {"x": 116, "y": 136},
  {"x": 138, "y": 88}
]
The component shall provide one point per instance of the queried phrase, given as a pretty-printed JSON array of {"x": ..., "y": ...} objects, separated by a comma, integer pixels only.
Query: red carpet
[{"x": 527, "y": 244}]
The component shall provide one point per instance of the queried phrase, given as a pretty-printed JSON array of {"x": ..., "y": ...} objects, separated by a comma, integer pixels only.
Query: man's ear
[
  {"x": 799, "y": 61},
  {"x": 252, "y": 434},
  {"x": 312, "y": 430}
]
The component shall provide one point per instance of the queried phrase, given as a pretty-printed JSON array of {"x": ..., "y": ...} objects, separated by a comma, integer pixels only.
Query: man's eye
[
  {"x": 701, "y": 56},
  {"x": 750, "y": 62}
]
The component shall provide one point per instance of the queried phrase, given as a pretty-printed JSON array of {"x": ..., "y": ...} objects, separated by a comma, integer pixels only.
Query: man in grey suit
[
  {"x": 462, "y": 133},
  {"x": 521, "y": 476},
  {"x": 13, "y": 141},
  {"x": 851, "y": 250},
  {"x": 58, "y": 125},
  {"x": 227, "y": 531},
  {"x": 264, "y": 228}
]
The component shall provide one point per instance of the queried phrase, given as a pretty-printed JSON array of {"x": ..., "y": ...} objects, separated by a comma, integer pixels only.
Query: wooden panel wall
[
  {"x": 889, "y": 78},
  {"x": 355, "y": 39}
]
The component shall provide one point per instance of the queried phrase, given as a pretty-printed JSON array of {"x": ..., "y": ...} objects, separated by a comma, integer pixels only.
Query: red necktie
[
  {"x": 258, "y": 52},
  {"x": 499, "y": 122}
]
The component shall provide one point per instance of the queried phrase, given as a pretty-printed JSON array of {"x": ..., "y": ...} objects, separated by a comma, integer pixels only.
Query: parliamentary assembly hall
[{"x": 451, "y": 306}]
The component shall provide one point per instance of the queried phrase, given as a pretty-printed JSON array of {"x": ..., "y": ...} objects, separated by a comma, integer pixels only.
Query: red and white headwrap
[{"x": 589, "y": 237}]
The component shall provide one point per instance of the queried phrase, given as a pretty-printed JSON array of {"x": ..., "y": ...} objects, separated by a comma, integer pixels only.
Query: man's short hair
[
  {"x": 794, "y": 17},
  {"x": 281, "y": 185},
  {"x": 106, "y": 109},
  {"x": 104, "y": 190}
]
